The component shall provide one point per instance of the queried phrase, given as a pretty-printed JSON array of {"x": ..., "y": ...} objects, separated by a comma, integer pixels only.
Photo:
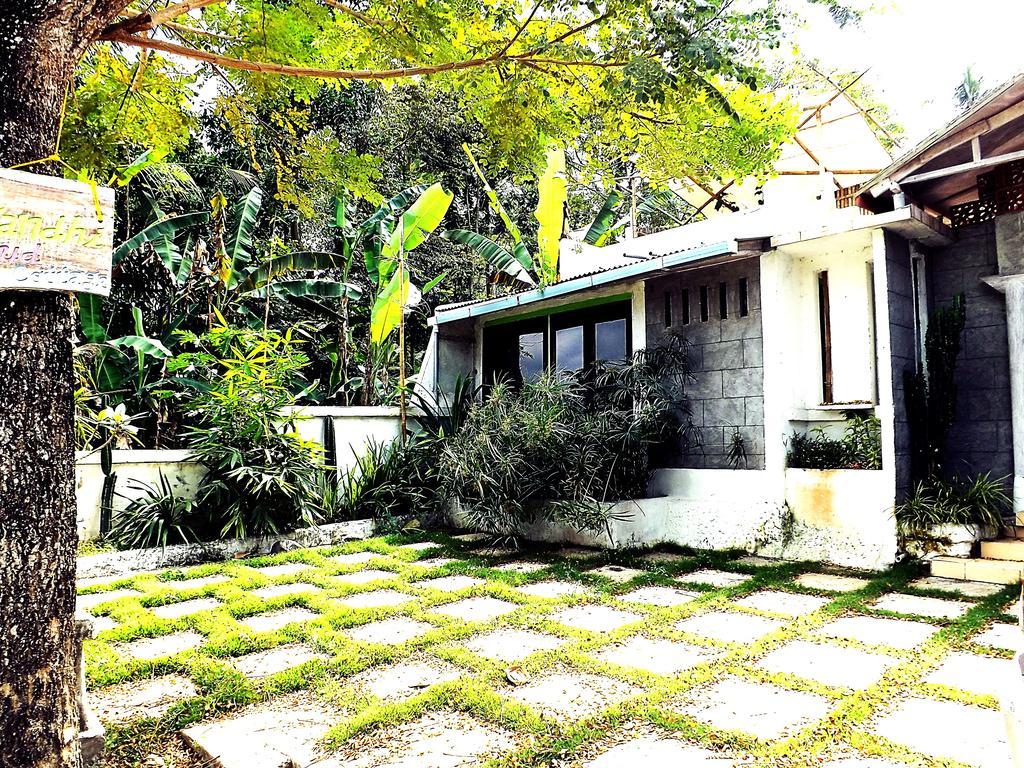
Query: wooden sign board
[{"x": 55, "y": 234}]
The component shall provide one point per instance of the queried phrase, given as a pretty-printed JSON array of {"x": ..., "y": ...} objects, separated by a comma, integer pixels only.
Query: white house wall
[{"x": 848, "y": 261}]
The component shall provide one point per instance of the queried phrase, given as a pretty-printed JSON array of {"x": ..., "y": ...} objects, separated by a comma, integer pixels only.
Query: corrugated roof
[{"x": 655, "y": 263}]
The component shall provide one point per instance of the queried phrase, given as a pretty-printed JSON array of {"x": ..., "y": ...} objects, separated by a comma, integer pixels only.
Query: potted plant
[{"x": 949, "y": 517}]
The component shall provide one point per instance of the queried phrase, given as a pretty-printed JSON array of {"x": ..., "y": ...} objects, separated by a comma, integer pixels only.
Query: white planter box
[
  {"x": 841, "y": 516},
  {"x": 952, "y": 540}
]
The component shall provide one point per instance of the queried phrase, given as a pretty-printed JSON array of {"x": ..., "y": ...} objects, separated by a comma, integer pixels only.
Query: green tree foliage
[{"x": 630, "y": 78}]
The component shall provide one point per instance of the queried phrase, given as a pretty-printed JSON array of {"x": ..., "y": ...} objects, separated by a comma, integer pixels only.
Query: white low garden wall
[
  {"x": 837, "y": 516},
  {"x": 144, "y": 466},
  {"x": 355, "y": 428}
]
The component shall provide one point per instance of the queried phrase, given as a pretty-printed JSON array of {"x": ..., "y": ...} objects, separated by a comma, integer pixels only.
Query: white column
[
  {"x": 1015, "y": 337},
  {"x": 1013, "y": 287}
]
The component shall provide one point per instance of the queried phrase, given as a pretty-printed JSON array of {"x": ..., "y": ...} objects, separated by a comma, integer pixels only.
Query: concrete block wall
[
  {"x": 981, "y": 439},
  {"x": 728, "y": 394}
]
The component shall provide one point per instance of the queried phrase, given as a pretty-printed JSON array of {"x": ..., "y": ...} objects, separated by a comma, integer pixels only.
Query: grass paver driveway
[{"x": 439, "y": 652}]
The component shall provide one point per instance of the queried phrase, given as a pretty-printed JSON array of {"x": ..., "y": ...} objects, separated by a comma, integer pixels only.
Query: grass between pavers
[{"x": 544, "y": 741}]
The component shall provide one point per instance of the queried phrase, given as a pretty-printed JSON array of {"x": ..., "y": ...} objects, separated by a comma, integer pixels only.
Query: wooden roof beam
[
  {"x": 974, "y": 165},
  {"x": 963, "y": 136}
]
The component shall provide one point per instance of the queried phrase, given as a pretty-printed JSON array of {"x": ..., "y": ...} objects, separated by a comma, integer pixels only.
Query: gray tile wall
[
  {"x": 981, "y": 439},
  {"x": 728, "y": 394}
]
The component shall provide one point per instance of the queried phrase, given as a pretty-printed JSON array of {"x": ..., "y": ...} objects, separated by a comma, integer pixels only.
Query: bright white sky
[{"x": 919, "y": 49}]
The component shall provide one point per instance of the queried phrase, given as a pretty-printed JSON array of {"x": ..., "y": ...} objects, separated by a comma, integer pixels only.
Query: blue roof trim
[{"x": 615, "y": 274}]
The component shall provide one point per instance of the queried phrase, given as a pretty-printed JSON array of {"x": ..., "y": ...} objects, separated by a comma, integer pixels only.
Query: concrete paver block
[
  {"x": 662, "y": 657},
  {"x": 271, "y": 621},
  {"x": 829, "y": 664},
  {"x": 185, "y": 608},
  {"x": 390, "y": 631},
  {"x": 946, "y": 729},
  {"x": 784, "y": 603},
  {"x": 729, "y": 627},
  {"x": 873, "y": 630},
  {"x": 921, "y": 606},
  {"x": 512, "y": 645},
  {"x": 763, "y": 711},
  {"x": 595, "y": 618},
  {"x": 476, "y": 609},
  {"x": 572, "y": 695},
  {"x": 274, "y": 660}
]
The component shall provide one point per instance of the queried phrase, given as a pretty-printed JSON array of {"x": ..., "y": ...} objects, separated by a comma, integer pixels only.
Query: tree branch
[
  {"x": 184, "y": 29},
  {"x": 570, "y": 33},
  {"x": 151, "y": 20},
  {"x": 266, "y": 67},
  {"x": 286, "y": 69},
  {"x": 357, "y": 15},
  {"x": 522, "y": 28}
]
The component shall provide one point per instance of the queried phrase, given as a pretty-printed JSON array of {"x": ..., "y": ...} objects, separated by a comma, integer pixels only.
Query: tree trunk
[{"x": 40, "y": 42}]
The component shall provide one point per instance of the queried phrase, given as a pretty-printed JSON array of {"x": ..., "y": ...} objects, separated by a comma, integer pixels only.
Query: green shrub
[
  {"x": 155, "y": 518},
  {"x": 389, "y": 480},
  {"x": 263, "y": 478},
  {"x": 564, "y": 444},
  {"x": 978, "y": 501},
  {"x": 860, "y": 447}
]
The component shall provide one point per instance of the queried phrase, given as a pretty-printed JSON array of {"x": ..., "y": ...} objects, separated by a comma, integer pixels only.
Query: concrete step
[
  {"x": 1003, "y": 549},
  {"x": 978, "y": 569}
]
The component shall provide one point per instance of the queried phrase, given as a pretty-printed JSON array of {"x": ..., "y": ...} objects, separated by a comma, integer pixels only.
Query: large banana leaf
[
  {"x": 372, "y": 245},
  {"x": 90, "y": 313},
  {"x": 290, "y": 262},
  {"x": 657, "y": 201},
  {"x": 143, "y": 345},
  {"x": 550, "y": 213},
  {"x": 324, "y": 289},
  {"x": 422, "y": 218},
  {"x": 128, "y": 172},
  {"x": 183, "y": 271},
  {"x": 519, "y": 250},
  {"x": 340, "y": 212},
  {"x": 431, "y": 285},
  {"x": 391, "y": 302},
  {"x": 390, "y": 208},
  {"x": 598, "y": 231},
  {"x": 498, "y": 257},
  {"x": 159, "y": 229},
  {"x": 240, "y": 247}
]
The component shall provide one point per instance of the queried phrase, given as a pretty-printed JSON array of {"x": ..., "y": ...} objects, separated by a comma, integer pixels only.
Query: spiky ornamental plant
[{"x": 931, "y": 397}]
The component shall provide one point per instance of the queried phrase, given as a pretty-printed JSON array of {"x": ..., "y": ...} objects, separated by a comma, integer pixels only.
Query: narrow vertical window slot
[
  {"x": 744, "y": 299},
  {"x": 668, "y": 309},
  {"x": 703, "y": 303},
  {"x": 825, "y": 328},
  {"x": 686, "y": 306},
  {"x": 723, "y": 301}
]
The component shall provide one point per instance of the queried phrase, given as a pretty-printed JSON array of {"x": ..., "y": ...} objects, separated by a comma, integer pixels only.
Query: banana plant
[
  {"x": 518, "y": 263},
  {"x": 398, "y": 293}
]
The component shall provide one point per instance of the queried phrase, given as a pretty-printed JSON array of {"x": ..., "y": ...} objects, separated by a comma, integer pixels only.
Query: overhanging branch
[{"x": 266, "y": 67}]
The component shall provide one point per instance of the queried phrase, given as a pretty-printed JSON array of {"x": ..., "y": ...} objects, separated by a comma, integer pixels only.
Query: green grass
[{"x": 479, "y": 690}]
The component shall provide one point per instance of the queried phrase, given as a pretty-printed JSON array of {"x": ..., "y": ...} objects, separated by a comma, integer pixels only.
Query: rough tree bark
[{"x": 40, "y": 43}]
